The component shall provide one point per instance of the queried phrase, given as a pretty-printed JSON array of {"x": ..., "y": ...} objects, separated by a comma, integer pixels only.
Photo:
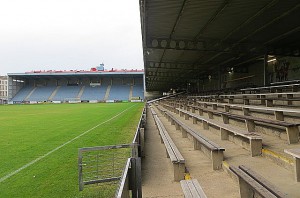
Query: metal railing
[{"x": 104, "y": 165}]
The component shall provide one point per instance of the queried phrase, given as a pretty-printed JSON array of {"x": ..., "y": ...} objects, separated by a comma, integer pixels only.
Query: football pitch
[{"x": 39, "y": 143}]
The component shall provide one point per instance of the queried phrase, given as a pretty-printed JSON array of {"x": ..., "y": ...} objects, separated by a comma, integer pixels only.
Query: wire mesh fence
[{"x": 100, "y": 169}]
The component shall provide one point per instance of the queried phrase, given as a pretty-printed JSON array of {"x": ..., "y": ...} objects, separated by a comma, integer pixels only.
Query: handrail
[
  {"x": 124, "y": 180},
  {"x": 164, "y": 97}
]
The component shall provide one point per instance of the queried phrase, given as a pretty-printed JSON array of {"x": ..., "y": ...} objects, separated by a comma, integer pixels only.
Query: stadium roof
[
  {"x": 76, "y": 73},
  {"x": 188, "y": 39}
]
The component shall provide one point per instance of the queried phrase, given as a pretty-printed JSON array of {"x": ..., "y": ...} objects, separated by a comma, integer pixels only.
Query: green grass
[{"x": 30, "y": 131}]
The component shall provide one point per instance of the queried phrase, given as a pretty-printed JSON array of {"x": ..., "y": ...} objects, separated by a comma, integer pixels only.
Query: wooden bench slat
[
  {"x": 225, "y": 126},
  {"x": 262, "y": 181},
  {"x": 251, "y": 182},
  {"x": 186, "y": 190},
  {"x": 211, "y": 145},
  {"x": 172, "y": 154},
  {"x": 192, "y": 189},
  {"x": 172, "y": 151},
  {"x": 274, "y": 122}
]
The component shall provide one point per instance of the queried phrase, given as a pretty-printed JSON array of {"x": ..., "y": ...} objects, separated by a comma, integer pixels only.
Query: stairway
[
  {"x": 80, "y": 92},
  {"x": 130, "y": 92},
  {"x": 31, "y": 92},
  {"x": 54, "y": 93},
  {"x": 107, "y": 92}
]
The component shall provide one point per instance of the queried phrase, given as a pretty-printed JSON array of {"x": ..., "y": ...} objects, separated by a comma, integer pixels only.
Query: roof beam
[
  {"x": 258, "y": 29},
  {"x": 213, "y": 17}
]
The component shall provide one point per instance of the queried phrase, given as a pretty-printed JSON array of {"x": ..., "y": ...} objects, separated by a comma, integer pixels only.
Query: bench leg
[
  {"x": 250, "y": 125},
  {"x": 293, "y": 134},
  {"x": 177, "y": 127},
  {"x": 224, "y": 134},
  {"x": 263, "y": 101},
  {"x": 183, "y": 132},
  {"x": 279, "y": 115},
  {"x": 181, "y": 114},
  {"x": 246, "y": 111},
  {"x": 186, "y": 117},
  {"x": 217, "y": 158},
  {"x": 210, "y": 115},
  {"x": 194, "y": 120},
  {"x": 201, "y": 112},
  {"x": 172, "y": 121},
  {"x": 226, "y": 108},
  {"x": 193, "y": 109},
  {"x": 225, "y": 119},
  {"x": 269, "y": 103},
  {"x": 205, "y": 125},
  {"x": 230, "y": 101},
  {"x": 246, "y": 101},
  {"x": 196, "y": 144},
  {"x": 245, "y": 190},
  {"x": 215, "y": 107},
  {"x": 297, "y": 169},
  {"x": 255, "y": 147},
  {"x": 179, "y": 170}
]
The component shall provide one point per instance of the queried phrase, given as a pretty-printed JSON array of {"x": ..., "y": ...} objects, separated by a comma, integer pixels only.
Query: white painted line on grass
[{"x": 57, "y": 148}]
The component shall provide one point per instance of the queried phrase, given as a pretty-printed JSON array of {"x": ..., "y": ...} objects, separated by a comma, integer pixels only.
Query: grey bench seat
[
  {"x": 216, "y": 151},
  {"x": 172, "y": 151},
  {"x": 292, "y": 129},
  {"x": 252, "y": 184},
  {"x": 192, "y": 189},
  {"x": 255, "y": 140},
  {"x": 296, "y": 155}
]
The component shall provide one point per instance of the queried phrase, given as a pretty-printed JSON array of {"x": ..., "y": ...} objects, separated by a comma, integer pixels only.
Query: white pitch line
[{"x": 57, "y": 148}]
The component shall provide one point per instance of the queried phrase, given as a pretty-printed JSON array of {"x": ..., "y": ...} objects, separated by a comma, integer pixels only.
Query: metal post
[{"x": 265, "y": 69}]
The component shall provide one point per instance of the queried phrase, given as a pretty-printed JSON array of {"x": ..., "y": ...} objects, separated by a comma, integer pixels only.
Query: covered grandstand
[
  {"x": 239, "y": 62},
  {"x": 76, "y": 86}
]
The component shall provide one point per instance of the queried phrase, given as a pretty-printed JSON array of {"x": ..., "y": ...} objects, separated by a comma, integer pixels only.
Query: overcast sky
[{"x": 69, "y": 34}]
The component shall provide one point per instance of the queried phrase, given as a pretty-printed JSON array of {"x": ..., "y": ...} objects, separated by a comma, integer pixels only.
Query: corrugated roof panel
[
  {"x": 233, "y": 15},
  {"x": 161, "y": 17},
  {"x": 196, "y": 14}
]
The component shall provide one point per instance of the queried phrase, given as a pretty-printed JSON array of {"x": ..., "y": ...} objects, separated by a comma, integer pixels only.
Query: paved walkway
[{"x": 157, "y": 169}]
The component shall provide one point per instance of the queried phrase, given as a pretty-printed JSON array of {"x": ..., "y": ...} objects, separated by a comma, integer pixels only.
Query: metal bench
[{"x": 192, "y": 189}]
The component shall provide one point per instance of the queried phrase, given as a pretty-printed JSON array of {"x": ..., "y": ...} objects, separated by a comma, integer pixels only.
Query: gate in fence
[{"x": 102, "y": 170}]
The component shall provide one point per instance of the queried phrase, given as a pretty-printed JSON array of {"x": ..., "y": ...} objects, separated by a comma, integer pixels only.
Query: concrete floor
[{"x": 157, "y": 169}]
